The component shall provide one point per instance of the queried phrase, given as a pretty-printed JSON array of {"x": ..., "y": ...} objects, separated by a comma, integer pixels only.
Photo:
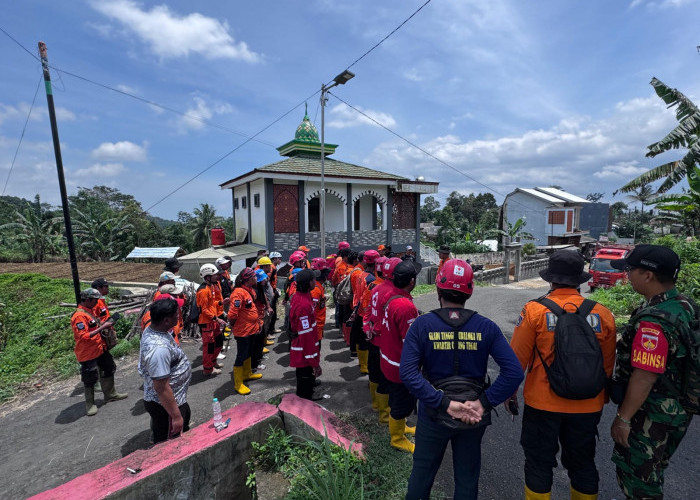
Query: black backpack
[{"x": 577, "y": 371}]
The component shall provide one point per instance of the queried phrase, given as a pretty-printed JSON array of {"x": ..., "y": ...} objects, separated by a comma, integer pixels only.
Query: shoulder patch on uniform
[
  {"x": 551, "y": 321},
  {"x": 520, "y": 319},
  {"x": 594, "y": 321},
  {"x": 237, "y": 303},
  {"x": 80, "y": 325}
]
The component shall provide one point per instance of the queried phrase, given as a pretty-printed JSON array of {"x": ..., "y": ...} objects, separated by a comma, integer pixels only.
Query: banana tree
[
  {"x": 687, "y": 204},
  {"x": 685, "y": 135}
]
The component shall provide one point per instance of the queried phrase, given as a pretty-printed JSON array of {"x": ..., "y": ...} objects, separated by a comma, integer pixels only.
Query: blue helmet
[{"x": 260, "y": 275}]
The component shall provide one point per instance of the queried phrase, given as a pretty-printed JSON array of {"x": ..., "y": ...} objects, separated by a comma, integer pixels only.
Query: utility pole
[{"x": 59, "y": 167}]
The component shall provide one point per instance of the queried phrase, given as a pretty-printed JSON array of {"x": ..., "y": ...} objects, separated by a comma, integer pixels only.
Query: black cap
[
  {"x": 655, "y": 258},
  {"x": 565, "y": 268},
  {"x": 100, "y": 282},
  {"x": 444, "y": 249},
  {"x": 406, "y": 269},
  {"x": 172, "y": 263}
]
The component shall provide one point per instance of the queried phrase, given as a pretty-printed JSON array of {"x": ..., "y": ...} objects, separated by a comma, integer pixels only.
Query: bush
[
  {"x": 621, "y": 299},
  {"x": 529, "y": 249},
  {"x": 468, "y": 247}
]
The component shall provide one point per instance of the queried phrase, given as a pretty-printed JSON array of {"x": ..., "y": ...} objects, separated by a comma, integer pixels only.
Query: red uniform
[
  {"x": 399, "y": 314},
  {"x": 374, "y": 314},
  {"x": 302, "y": 320}
]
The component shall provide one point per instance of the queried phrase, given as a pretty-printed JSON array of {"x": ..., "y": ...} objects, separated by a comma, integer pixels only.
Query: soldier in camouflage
[{"x": 651, "y": 419}]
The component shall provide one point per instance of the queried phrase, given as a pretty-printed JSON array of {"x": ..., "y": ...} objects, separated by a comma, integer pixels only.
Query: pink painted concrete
[
  {"x": 317, "y": 417},
  {"x": 114, "y": 477}
]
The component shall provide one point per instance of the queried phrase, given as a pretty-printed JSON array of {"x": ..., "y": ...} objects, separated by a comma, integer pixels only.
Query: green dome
[{"x": 306, "y": 132}]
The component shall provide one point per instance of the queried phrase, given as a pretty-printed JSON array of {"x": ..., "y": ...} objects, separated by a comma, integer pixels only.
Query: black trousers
[
  {"x": 401, "y": 402},
  {"x": 160, "y": 420},
  {"x": 375, "y": 370},
  {"x": 305, "y": 382},
  {"x": 257, "y": 343},
  {"x": 542, "y": 433},
  {"x": 88, "y": 369},
  {"x": 357, "y": 336}
]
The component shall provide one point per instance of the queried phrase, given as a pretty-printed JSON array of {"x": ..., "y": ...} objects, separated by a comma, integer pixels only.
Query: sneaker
[
  {"x": 215, "y": 371},
  {"x": 217, "y": 365},
  {"x": 221, "y": 356},
  {"x": 265, "y": 356},
  {"x": 261, "y": 367}
]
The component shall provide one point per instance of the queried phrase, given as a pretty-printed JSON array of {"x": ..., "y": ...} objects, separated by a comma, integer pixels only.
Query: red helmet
[
  {"x": 371, "y": 256},
  {"x": 297, "y": 256},
  {"x": 456, "y": 275},
  {"x": 389, "y": 266},
  {"x": 343, "y": 244},
  {"x": 318, "y": 263}
]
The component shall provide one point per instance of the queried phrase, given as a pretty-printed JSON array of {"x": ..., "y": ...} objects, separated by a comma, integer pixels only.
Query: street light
[{"x": 341, "y": 79}]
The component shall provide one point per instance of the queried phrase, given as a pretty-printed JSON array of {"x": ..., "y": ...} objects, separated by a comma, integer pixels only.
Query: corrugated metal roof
[
  {"x": 537, "y": 194},
  {"x": 153, "y": 253},
  {"x": 311, "y": 166},
  {"x": 571, "y": 198}
]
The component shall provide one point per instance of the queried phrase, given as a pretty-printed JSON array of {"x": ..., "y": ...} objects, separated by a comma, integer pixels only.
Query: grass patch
[
  {"x": 423, "y": 289},
  {"x": 33, "y": 346}
]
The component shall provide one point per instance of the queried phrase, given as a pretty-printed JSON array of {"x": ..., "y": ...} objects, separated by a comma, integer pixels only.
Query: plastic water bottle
[{"x": 217, "y": 412}]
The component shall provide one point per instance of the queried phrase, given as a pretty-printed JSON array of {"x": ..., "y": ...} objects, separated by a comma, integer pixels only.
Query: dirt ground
[{"x": 88, "y": 271}]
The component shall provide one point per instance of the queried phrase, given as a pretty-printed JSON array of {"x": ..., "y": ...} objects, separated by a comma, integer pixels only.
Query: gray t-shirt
[{"x": 160, "y": 357}]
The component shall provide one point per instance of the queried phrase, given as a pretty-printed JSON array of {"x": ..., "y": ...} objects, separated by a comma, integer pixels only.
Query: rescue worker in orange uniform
[
  {"x": 304, "y": 353},
  {"x": 244, "y": 321},
  {"x": 101, "y": 309},
  {"x": 360, "y": 281},
  {"x": 318, "y": 293},
  {"x": 91, "y": 352},
  {"x": 548, "y": 419},
  {"x": 211, "y": 322},
  {"x": 444, "y": 254}
]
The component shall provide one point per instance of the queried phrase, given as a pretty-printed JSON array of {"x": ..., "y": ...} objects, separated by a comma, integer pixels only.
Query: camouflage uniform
[{"x": 660, "y": 424}]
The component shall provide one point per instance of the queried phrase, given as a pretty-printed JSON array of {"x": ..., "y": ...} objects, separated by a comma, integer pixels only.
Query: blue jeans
[{"x": 431, "y": 442}]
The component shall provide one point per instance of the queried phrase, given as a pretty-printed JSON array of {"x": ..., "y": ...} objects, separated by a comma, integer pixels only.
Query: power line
[
  {"x": 394, "y": 31},
  {"x": 232, "y": 151},
  {"x": 24, "y": 129}
]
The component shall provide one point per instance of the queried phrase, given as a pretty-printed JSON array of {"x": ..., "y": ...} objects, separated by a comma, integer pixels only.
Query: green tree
[
  {"x": 643, "y": 194},
  {"x": 685, "y": 135},
  {"x": 594, "y": 197},
  {"x": 684, "y": 206},
  {"x": 36, "y": 230},
  {"x": 204, "y": 220},
  {"x": 429, "y": 209},
  {"x": 102, "y": 235}
]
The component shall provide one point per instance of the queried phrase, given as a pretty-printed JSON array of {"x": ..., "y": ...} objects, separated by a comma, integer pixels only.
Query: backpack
[
  {"x": 689, "y": 394},
  {"x": 577, "y": 371},
  {"x": 343, "y": 292}
]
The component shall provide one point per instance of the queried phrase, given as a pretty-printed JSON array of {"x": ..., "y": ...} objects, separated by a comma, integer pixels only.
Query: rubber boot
[
  {"x": 383, "y": 403},
  {"x": 577, "y": 495},
  {"x": 531, "y": 495},
  {"x": 110, "y": 393},
  {"x": 238, "y": 372},
  {"x": 363, "y": 357},
  {"x": 90, "y": 405},
  {"x": 411, "y": 431},
  {"x": 248, "y": 372},
  {"x": 398, "y": 440},
  {"x": 269, "y": 342},
  {"x": 266, "y": 350},
  {"x": 373, "y": 394}
]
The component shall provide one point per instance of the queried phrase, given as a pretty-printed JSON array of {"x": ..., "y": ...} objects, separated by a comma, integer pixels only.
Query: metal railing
[{"x": 429, "y": 254}]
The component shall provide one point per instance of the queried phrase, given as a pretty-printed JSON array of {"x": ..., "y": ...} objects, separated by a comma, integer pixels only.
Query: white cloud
[
  {"x": 170, "y": 35},
  {"x": 343, "y": 116},
  {"x": 101, "y": 170},
  {"x": 578, "y": 153},
  {"x": 200, "y": 112},
  {"x": 120, "y": 151}
]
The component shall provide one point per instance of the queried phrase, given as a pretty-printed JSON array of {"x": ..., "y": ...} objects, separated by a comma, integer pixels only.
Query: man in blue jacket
[{"x": 430, "y": 356}]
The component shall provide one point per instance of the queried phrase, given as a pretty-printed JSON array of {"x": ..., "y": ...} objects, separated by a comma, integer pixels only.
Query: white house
[
  {"x": 279, "y": 203},
  {"x": 552, "y": 216}
]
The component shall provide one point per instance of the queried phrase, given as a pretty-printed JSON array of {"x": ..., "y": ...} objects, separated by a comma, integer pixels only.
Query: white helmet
[
  {"x": 275, "y": 255},
  {"x": 208, "y": 270}
]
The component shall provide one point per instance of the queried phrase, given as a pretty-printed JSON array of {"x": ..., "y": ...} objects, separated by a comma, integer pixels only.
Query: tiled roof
[{"x": 311, "y": 165}]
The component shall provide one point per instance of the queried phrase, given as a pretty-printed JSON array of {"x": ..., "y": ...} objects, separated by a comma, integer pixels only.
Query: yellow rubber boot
[
  {"x": 383, "y": 403},
  {"x": 577, "y": 495},
  {"x": 531, "y": 495},
  {"x": 373, "y": 394},
  {"x": 248, "y": 372},
  {"x": 266, "y": 350},
  {"x": 238, "y": 381},
  {"x": 398, "y": 440},
  {"x": 411, "y": 431},
  {"x": 363, "y": 357}
]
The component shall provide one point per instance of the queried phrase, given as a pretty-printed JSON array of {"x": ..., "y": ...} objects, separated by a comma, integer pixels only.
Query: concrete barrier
[{"x": 203, "y": 463}]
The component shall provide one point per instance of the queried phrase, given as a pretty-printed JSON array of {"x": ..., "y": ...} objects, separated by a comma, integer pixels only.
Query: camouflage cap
[{"x": 90, "y": 293}]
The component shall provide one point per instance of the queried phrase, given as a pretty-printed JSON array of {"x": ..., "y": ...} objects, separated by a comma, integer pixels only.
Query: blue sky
[{"x": 513, "y": 94}]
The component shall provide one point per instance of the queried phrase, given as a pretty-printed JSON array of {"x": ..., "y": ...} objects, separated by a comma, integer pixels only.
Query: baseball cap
[
  {"x": 409, "y": 247},
  {"x": 100, "y": 282},
  {"x": 164, "y": 296},
  {"x": 406, "y": 269},
  {"x": 90, "y": 293},
  {"x": 381, "y": 247},
  {"x": 166, "y": 276},
  {"x": 655, "y": 258},
  {"x": 304, "y": 248}
]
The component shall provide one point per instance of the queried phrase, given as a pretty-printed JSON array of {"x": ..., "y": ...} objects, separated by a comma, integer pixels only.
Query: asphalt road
[{"x": 46, "y": 439}]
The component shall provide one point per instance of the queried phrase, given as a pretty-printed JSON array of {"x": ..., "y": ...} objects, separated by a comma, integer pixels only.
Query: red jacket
[
  {"x": 374, "y": 312},
  {"x": 400, "y": 314},
  {"x": 302, "y": 320}
]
